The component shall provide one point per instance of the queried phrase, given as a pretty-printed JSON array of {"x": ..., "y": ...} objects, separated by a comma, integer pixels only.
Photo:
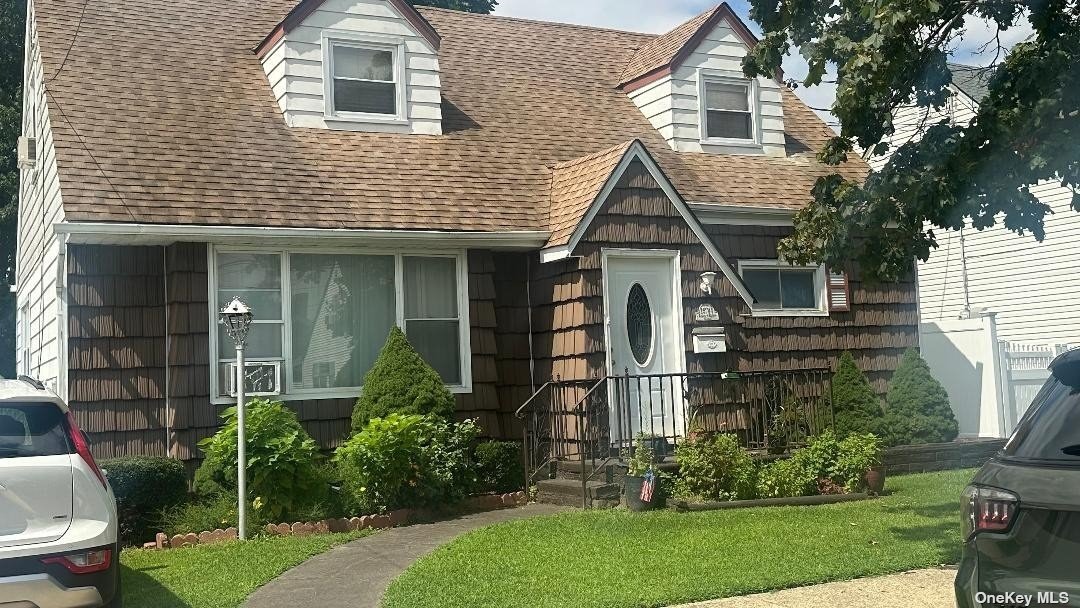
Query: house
[
  {"x": 529, "y": 201},
  {"x": 996, "y": 307}
]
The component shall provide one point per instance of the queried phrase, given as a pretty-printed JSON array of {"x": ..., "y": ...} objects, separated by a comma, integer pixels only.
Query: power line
[{"x": 74, "y": 37}]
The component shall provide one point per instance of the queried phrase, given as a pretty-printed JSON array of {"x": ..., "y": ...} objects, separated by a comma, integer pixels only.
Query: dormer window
[
  {"x": 364, "y": 80},
  {"x": 728, "y": 110}
]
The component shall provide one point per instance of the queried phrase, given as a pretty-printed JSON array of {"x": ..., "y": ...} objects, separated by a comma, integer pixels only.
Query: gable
[
  {"x": 298, "y": 58},
  {"x": 638, "y": 167}
]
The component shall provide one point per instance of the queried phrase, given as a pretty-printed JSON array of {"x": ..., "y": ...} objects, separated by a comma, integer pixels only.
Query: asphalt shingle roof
[{"x": 162, "y": 113}]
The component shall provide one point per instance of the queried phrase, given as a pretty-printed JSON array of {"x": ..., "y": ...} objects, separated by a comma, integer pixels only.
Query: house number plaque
[{"x": 706, "y": 312}]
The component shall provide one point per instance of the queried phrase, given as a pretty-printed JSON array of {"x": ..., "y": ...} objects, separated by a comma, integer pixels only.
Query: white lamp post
[{"x": 236, "y": 317}]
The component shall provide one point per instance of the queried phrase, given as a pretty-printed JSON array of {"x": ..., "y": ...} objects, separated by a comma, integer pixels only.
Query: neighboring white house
[
  {"x": 1032, "y": 287},
  {"x": 995, "y": 306}
]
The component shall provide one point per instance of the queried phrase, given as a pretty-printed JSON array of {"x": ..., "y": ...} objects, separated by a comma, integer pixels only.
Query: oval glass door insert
[{"x": 639, "y": 324}]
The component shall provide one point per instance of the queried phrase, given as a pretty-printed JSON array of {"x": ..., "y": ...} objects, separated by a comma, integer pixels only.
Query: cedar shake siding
[
  {"x": 116, "y": 348},
  {"x": 882, "y": 323},
  {"x": 139, "y": 351},
  {"x": 568, "y": 312}
]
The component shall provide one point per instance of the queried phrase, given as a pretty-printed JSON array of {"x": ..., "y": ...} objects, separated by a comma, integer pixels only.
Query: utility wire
[{"x": 74, "y": 37}]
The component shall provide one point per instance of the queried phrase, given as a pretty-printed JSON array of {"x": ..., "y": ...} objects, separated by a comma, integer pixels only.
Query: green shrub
[
  {"x": 715, "y": 469},
  {"x": 219, "y": 511},
  {"x": 917, "y": 406},
  {"x": 499, "y": 467},
  {"x": 401, "y": 382},
  {"x": 785, "y": 478},
  {"x": 145, "y": 487},
  {"x": 283, "y": 461},
  {"x": 856, "y": 455},
  {"x": 406, "y": 461},
  {"x": 856, "y": 407}
]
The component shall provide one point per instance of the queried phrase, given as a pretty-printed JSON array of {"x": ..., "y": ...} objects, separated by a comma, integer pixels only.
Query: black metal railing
[{"x": 595, "y": 421}]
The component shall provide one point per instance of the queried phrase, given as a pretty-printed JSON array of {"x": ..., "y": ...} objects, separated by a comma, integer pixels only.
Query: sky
[{"x": 658, "y": 16}]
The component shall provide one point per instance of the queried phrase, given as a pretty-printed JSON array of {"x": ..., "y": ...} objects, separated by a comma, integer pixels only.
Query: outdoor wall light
[{"x": 708, "y": 279}]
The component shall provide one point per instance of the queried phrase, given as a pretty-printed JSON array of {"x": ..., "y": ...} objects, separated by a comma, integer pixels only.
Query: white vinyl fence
[{"x": 991, "y": 383}]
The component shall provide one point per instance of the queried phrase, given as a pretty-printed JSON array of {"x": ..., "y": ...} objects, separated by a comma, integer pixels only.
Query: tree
[
  {"x": 893, "y": 53},
  {"x": 401, "y": 382},
  {"x": 856, "y": 407},
  {"x": 470, "y": 6},
  {"x": 12, "y": 23},
  {"x": 917, "y": 407}
]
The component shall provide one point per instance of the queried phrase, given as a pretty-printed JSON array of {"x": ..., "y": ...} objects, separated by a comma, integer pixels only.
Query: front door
[{"x": 645, "y": 343}]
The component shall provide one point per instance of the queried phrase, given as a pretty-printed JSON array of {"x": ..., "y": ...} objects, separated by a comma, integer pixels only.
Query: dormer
[
  {"x": 356, "y": 65},
  {"x": 690, "y": 85}
]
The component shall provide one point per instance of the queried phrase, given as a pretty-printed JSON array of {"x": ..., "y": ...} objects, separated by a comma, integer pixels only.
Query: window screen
[
  {"x": 432, "y": 319},
  {"x": 364, "y": 80},
  {"x": 728, "y": 112}
]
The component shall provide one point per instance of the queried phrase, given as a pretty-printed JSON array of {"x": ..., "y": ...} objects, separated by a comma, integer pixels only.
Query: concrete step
[{"x": 567, "y": 492}]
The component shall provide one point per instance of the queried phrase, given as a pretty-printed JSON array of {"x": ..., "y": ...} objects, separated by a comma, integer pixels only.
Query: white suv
[{"x": 58, "y": 529}]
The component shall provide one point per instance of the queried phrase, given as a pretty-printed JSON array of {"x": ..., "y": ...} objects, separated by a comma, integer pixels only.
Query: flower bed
[{"x": 393, "y": 519}]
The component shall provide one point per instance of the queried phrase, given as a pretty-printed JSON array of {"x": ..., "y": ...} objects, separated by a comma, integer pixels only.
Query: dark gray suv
[{"x": 1022, "y": 510}]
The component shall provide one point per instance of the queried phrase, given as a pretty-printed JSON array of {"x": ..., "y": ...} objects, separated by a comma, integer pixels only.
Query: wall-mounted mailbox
[{"x": 710, "y": 340}]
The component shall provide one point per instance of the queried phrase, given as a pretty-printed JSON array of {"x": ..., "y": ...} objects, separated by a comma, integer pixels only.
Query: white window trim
[
  {"x": 754, "y": 103},
  {"x": 464, "y": 327},
  {"x": 820, "y": 285},
  {"x": 394, "y": 44}
]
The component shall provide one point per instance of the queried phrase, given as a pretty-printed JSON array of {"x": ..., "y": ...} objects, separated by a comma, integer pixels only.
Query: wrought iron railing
[{"x": 595, "y": 421}]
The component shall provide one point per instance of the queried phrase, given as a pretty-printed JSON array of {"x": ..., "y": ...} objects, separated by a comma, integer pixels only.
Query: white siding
[
  {"x": 38, "y": 258},
  {"x": 673, "y": 106},
  {"x": 295, "y": 67},
  {"x": 1033, "y": 287}
]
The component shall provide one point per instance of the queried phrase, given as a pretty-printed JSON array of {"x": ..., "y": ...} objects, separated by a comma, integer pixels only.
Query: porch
[{"x": 578, "y": 433}]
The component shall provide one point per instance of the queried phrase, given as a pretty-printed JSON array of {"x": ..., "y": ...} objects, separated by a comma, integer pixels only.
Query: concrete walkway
[
  {"x": 919, "y": 589},
  {"x": 355, "y": 575}
]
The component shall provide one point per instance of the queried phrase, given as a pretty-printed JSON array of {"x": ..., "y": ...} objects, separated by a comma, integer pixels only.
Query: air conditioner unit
[
  {"x": 27, "y": 152},
  {"x": 261, "y": 378}
]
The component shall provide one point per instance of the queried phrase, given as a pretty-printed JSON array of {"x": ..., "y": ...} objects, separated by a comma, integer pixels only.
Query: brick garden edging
[
  {"x": 940, "y": 456},
  {"x": 393, "y": 519}
]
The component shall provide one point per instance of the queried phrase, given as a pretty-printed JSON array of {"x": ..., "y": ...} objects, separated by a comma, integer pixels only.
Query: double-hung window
[
  {"x": 325, "y": 316},
  {"x": 782, "y": 289},
  {"x": 727, "y": 109},
  {"x": 364, "y": 79}
]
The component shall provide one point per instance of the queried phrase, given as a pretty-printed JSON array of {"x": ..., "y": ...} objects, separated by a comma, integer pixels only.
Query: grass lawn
[
  {"x": 214, "y": 576},
  {"x": 617, "y": 559}
]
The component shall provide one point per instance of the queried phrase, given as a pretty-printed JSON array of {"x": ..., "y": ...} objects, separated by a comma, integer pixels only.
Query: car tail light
[
  {"x": 83, "y": 562},
  {"x": 83, "y": 448},
  {"x": 988, "y": 510}
]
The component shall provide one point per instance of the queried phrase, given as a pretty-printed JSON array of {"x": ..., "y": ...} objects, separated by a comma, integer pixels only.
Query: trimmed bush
[
  {"x": 917, "y": 407},
  {"x": 283, "y": 461},
  {"x": 407, "y": 461},
  {"x": 715, "y": 469},
  {"x": 499, "y": 467},
  {"x": 145, "y": 488},
  {"x": 856, "y": 406},
  {"x": 401, "y": 382}
]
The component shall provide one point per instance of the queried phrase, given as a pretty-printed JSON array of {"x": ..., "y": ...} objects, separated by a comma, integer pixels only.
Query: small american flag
[{"x": 648, "y": 487}]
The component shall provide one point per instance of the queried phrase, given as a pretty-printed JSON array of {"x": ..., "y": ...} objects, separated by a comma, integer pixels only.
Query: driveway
[{"x": 920, "y": 589}]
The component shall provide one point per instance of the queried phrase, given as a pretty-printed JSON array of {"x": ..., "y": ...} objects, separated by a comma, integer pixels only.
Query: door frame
[{"x": 675, "y": 258}]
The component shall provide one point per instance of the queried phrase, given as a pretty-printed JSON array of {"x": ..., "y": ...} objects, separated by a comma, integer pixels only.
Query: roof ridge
[{"x": 468, "y": 15}]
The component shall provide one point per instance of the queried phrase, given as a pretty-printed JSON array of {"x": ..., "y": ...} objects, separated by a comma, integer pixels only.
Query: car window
[
  {"x": 35, "y": 429},
  {"x": 1051, "y": 428}
]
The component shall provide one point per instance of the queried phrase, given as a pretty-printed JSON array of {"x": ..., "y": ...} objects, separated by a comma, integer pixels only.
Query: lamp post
[{"x": 236, "y": 317}]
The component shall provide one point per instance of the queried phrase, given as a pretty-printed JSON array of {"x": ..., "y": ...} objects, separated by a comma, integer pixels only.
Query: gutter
[{"x": 164, "y": 234}]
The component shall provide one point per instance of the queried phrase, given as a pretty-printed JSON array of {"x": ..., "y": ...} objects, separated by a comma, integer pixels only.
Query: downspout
[
  {"x": 168, "y": 346},
  {"x": 528, "y": 302},
  {"x": 61, "y": 319}
]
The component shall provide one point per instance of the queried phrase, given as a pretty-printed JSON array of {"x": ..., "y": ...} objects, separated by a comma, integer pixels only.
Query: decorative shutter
[{"x": 839, "y": 292}]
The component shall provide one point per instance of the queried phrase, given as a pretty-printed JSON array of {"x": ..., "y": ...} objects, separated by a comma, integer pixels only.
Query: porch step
[{"x": 567, "y": 492}]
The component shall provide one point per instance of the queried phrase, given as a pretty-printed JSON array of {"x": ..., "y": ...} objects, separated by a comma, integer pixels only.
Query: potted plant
[{"x": 642, "y": 484}]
